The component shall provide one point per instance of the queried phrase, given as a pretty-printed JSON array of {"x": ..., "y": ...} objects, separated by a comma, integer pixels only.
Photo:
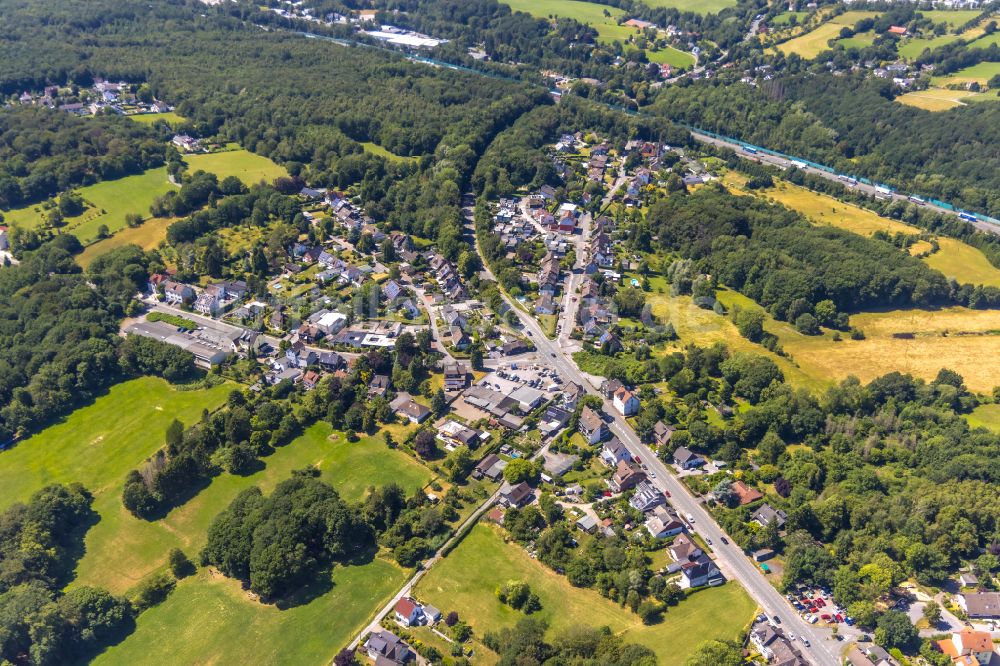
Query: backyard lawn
[{"x": 466, "y": 581}]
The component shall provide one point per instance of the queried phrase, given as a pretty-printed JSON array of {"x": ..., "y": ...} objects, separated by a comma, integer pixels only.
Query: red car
[
  {"x": 839, "y": 618},
  {"x": 820, "y": 602},
  {"x": 825, "y": 617}
]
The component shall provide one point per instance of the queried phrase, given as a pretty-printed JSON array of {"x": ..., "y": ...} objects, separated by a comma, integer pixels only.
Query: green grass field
[
  {"x": 912, "y": 47},
  {"x": 376, "y": 149},
  {"x": 814, "y": 42},
  {"x": 936, "y": 99},
  {"x": 696, "y": 6},
  {"x": 671, "y": 56},
  {"x": 985, "y": 416},
  {"x": 116, "y": 198},
  {"x": 122, "y": 550},
  {"x": 860, "y": 40},
  {"x": 585, "y": 12},
  {"x": 171, "y": 118},
  {"x": 980, "y": 73},
  {"x": 784, "y": 18},
  {"x": 953, "y": 17},
  {"x": 248, "y": 167},
  {"x": 466, "y": 580},
  {"x": 210, "y": 620},
  {"x": 98, "y": 443}
]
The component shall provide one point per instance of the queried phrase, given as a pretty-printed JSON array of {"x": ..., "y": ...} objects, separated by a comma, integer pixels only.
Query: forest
[
  {"x": 44, "y": 152},
  {"x": 776, "y": 257},
  {"x": 853, "y": 125}
]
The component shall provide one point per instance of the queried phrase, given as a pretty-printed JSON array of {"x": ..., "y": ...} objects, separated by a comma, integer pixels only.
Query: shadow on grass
[{"x": 321, "y": 580}]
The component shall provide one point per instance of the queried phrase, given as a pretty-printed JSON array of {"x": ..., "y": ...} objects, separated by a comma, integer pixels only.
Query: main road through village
[{"x": 824, "y": 650}]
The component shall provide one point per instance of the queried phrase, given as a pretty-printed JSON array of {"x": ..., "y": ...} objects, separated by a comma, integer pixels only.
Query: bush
[{"x": 154, "y": 591}]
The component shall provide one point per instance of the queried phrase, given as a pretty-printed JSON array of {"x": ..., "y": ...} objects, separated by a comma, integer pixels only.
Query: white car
[{"x": 805, "y": 641}]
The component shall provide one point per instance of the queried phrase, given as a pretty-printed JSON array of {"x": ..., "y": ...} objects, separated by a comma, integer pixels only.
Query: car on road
[
  {"x": 709, "y": 541},
  {"x": 805, "y": 641},
  {"x": 552, "y": 354},
  {"x": 724, "y": 539},
  {"x": 775, "y": 619}
]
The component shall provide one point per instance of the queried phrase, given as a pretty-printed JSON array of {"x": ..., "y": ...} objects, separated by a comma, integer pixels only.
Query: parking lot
[{"x": 512, "y": 375}]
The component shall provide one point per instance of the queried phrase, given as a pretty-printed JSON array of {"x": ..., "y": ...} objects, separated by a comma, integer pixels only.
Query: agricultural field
[
  {"x": 376, "y": 149},
  {"x": 466, "y": 581},
  {"x": 248, "y": 167},
  {"x": 209, "y": 619},
  {"x": 590, "y": 13},
  {"x": 170, "y": 117},
  {"x": 936, "y": 99},
  {"x": 108, "y": 203},
  {"x": 980, "y": 74},
  {"x": 148, "y": 235},
  {"x": 671, "y": 56},
  {"x": 814, "y": 42},
  {"x": 696, "y": 6}
]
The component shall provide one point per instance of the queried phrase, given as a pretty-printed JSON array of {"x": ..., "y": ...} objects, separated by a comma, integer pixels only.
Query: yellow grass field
[
  {"x": 936, "y": 99},
  {"x": 814, "y": 42},
  {"x": 955, "y": 338},
  {"x": 147, "y": 236},
  {"x": 954, "y": 258},
  {"x": 964, "y": 263}
]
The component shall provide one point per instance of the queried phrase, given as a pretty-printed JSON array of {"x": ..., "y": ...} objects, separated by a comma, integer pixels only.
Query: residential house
[
  {"x": 379, "y": 386},
  {"x": 545, "y": 305},
  {"x": 662, "y": 433},
  {"x": 592, "y": 426},
  {"x": 968, "y": 579},
  {"x": 329, "y": 360},
  {"x": 614, "y": 452},
  {"x": 456, "y": 376},
  {"x": 571, "y": 394},
  {"x": 609, "y": 387},
  {"x": 514, "y": 347},
  {"x": 745, "y": 494},
  {"x": 968, "y": 647},
  {"x": 625, "y": 402},
  {"x": 980, "y": 604},
  {"x": 385, "y": 648},
  {"x": 663, "y": 523},
  {"x": 553, "y": 420},
  {"x": 647, "y": 497},
  {"x": 207, "y": 304},
  {"x": 587, "y": 523},
  {"x": 391, "y": 290},
  {"x": 516, "y": 496},
  {"x": 310, "y": 379},
  {"x": 626, "y": 476},
  {"x": 454, "y": 434},
  {"x": 685, "y": 458},
  {"x": 684, "y": 549},
  {"x": 697, "y": 574},
  {"x": 459, "y": 338},
  {"x": 408, "y": 407},
  {"x": 609, "y": 343},
  {"x": 408, "y": 612},
  {"x": 766, "y": 513},
  {"x": 490, "y": 467},
  {"x": 764, "y": 637},
  {"x": 177, "y": 293}
]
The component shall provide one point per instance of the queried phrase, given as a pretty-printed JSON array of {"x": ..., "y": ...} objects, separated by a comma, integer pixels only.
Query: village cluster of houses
[{"x": 104, "y": 96}]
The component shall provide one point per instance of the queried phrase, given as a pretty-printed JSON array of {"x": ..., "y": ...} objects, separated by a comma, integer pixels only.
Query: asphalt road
[
  {"x": 824, "y": 650},
  {"x": 860, "y": 187}
]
